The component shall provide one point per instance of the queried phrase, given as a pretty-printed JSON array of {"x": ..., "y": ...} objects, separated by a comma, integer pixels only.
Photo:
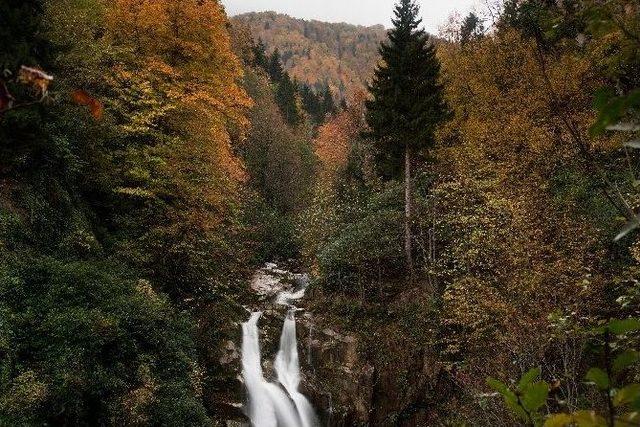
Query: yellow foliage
[
  {"x": 177, "y": 79},
  {"x": 511, "y": 242}
]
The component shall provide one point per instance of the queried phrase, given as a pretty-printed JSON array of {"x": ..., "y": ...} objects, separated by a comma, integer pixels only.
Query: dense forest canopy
[
  {"x": 318, "y": 53},
  {"x": 466, "y": 210}
]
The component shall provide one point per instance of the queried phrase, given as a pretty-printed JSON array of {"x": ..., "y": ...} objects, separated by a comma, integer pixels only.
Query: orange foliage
[
  {"x": 317, "y": 52},
  {"x": 332, "y": 145},
  {"x": 81, "y": 97},
  {"x": 513, "y": 237},
  {"x": 189, "y": 73}
]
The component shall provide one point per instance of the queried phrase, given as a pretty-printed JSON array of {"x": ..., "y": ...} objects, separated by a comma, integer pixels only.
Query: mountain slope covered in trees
[
  {"x": 472, "y": 245},
  {"x": 319, "y": 53}
]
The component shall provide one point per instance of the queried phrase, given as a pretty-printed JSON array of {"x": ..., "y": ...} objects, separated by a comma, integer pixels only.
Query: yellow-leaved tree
[{"x": 174, "y": 93}]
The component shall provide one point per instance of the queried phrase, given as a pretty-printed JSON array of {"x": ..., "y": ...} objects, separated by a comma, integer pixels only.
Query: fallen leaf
[{"x": 81, "y": 97}]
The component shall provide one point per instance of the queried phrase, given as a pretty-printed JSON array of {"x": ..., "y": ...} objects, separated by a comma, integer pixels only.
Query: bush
[
  {"x": 367, "y": 243},
  {"x": 80, "y": 344}
]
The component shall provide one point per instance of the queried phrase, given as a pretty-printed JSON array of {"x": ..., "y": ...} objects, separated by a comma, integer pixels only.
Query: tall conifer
[
  {"x": 275, "y": 66},
  {"x": 407, "y": 101}
]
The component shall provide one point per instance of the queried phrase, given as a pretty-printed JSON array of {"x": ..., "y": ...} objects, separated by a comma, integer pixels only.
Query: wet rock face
[
  {"x": 385, "y": 378},
  {"x": 230, "y": 354},
  {"x": 349, "y": 390},
  {"x": 345, "y": 386},
  {"x": 338, "y": 382}
]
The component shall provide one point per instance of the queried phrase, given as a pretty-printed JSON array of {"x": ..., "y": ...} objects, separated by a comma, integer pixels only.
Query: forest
[{"x": 450, "y": 220}]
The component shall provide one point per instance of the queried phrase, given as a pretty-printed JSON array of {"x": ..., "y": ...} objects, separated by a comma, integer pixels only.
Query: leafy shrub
[
  {"x": 81, "y": 344},
  {"x": 528, "y": 398},
  {"x": 367, "y": 242}
]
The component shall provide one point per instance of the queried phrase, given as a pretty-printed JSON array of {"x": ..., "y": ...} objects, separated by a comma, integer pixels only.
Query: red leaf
[{"x": 81, "y": 97}]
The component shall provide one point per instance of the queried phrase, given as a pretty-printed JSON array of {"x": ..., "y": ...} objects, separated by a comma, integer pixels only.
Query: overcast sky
[{"x": 362, "y": 12}]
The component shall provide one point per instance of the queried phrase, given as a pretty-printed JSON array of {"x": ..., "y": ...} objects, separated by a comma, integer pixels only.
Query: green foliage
[
  {"x": 312, "y": 104},
  {"x": 273, "y": 232},
  {"x": 367, "y": 240},
  {"x": 328, "y": 105},
  {"x": 623, "y": 399},
  {"x": 408, "y": 98},
  {"x": 614, "y": 109},
  {"x": 527, "y": 398},
  {"x": 107, "y": 226},
  {"x": 625, "y": 360},
  {"x": 598, "y": 377},
  {"x": 290, "y": 96},
  {"x": 471, "y": 29},
  {"x": 279, "y": 158},
  {"x": 81, "y": 342},
  {"x": 275, "y": 69},
  {"x": 286, "y": 97}
]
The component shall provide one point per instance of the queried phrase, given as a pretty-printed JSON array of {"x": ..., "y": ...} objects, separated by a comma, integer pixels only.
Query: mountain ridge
[{"x": 314, "y": 20}]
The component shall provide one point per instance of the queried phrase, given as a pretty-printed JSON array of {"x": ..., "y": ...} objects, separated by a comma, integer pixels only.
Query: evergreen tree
[
  {"x": 407, "y": 100},
  {"x": 328, "y": 103},
  {"x": 311, "y": 104},
  {"x": 275, "y": 69},
  {"x": 286, "y": 97},
  {"x": 471, "y": 28},
  {"x": 260, "y": 55}
]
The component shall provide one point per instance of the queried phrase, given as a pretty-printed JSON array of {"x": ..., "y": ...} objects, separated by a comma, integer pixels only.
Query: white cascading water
[
  {"x": 268, "y": 405},
  {"x": 275, "y": 404},
  {"x": 288, "y": 370}
]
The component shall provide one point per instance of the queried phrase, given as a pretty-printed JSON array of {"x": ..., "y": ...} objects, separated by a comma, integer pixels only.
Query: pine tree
[
  {"x": 407, "y": 101},
  {"x": 311, "y": 104},
  {"x": 286, "y": 97},
  {"x": 275, "y": 66},
  {"x": 328, "y": 103},
  {"x": 471, "y": 28},
  {"x": 260, "y": 55}
]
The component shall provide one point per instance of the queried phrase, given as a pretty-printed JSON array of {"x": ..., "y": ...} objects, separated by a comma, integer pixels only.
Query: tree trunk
[{"x": 408, "y": 211}]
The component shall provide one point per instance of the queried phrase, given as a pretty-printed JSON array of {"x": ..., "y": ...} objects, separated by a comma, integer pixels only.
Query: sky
[{"x": 360, "y": 12}]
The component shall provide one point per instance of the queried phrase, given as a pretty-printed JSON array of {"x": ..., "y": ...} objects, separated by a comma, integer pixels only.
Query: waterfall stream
[{"x": 276, "y": 404}]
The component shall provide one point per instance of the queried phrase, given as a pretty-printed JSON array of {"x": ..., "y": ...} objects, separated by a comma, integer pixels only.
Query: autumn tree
[
  {"x": 407, "y": 102},
  {"x": 87, "y": 191}
]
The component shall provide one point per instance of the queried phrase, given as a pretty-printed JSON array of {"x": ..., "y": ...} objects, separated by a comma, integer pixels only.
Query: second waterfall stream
[{"x": 275, "y": 403}]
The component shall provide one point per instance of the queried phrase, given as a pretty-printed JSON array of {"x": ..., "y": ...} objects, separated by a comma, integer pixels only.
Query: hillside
[
  {"x": 190, "y": 238},
  {"x": 316, "y": 52}
]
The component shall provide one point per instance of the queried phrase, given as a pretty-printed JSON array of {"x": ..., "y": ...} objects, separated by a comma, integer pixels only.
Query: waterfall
[
  {"x": 268, "y": 405},
  {"x": 288, "y": 370},
  {"x": 275, "y": 404}
]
